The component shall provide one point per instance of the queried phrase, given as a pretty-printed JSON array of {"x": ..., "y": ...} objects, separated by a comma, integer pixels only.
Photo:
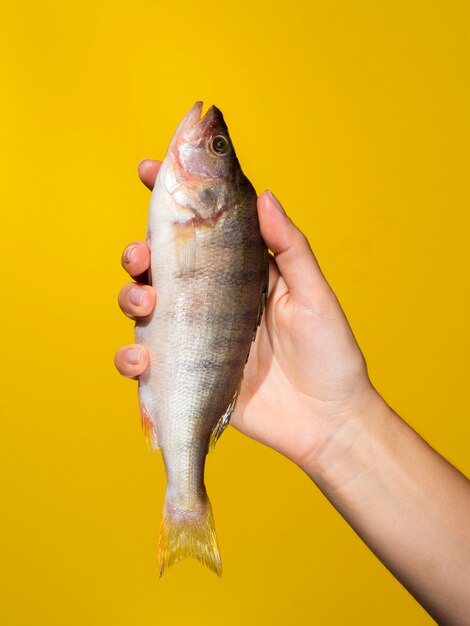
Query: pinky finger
[{"x": 132, "y": 360}]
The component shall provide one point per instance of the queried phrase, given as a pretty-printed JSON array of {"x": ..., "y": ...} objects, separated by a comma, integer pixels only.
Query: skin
[
  {"x": 208, "y": 264},
  {"x": 307, "y": 394}
]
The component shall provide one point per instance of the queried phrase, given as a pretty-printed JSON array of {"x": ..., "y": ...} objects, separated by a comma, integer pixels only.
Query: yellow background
[{"x": 356, "y": 114}]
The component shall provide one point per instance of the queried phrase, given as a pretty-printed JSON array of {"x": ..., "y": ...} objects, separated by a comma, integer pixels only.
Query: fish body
[{"x": 208, "y": 265}]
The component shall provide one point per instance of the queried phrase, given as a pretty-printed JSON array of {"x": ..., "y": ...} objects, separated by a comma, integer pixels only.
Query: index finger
[
  {"x": 136, "y": 257},
  {"x": 136, "y": 261},
  {"x": 148, "y": 170}
]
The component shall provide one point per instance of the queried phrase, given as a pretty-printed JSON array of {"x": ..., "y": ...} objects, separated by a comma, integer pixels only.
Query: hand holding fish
[
  {"x": 305, "y": 374},
  {"x": 306, "y": 393}
]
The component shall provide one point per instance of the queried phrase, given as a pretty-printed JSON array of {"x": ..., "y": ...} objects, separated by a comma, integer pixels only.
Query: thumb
[{"x": 294, "y": 257}]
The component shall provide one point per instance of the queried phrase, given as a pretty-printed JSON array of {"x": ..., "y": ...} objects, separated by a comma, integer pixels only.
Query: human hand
[{"x": 305, "y": 376}]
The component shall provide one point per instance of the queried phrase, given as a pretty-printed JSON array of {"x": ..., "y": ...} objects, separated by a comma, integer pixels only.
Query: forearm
[{"x": 408, "y": 504}]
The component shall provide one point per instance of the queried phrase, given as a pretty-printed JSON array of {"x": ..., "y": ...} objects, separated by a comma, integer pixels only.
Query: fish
[{"x": 209, "y": 267}]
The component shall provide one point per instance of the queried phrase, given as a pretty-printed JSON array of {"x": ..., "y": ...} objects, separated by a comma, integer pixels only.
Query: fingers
[
  {"x": 132, "y": 360},
  {"x": 136, "y": 257},
  {"x": 294, "y": 257},
  {"x": 148, "y": 170},
  {"x": 136, "y": 260},
  {"x": 137, "y": 300}
]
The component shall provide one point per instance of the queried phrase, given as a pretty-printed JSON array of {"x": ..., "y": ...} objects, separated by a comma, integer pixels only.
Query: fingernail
[
  {"x": 276, "y": 201},
  {"x": 142, "y": 162},
  {"x": 128, "y": 252},
  {"x": 137, "y": 295},
  {"x": 133, "y": 356}
]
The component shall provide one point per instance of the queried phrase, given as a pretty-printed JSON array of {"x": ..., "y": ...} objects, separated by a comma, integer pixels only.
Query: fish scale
[{"x": 209, "y": 267}]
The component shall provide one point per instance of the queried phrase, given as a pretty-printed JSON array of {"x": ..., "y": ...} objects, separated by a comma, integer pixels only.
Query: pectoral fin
[{"x": 185, "y": 246}]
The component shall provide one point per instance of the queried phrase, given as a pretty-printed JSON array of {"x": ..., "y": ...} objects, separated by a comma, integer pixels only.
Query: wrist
[{"x": 338, "y": 455}]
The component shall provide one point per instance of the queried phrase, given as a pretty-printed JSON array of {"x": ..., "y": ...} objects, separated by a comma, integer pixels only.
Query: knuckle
[{"x": 301, "y": 239}]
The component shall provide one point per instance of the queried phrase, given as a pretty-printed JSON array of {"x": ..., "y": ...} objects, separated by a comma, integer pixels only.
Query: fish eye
[{"x": 220, "y": 145}]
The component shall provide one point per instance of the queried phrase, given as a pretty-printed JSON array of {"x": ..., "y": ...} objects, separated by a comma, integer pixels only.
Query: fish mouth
[
  {"x": 192, "y": 117},
  {"x": 193, "y": 125}
]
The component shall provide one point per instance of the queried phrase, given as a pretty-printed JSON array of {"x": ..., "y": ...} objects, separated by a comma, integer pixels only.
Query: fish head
[{"x": 201, "y": 147}]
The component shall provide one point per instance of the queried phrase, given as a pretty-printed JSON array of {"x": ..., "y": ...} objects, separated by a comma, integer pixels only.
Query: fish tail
[{"x": 188, "y": 533}]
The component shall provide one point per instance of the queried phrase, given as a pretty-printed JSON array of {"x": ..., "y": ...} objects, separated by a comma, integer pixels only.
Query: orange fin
[
  {"x": 149, "y": 429},
  {"x": 185, "y": 245},
  {"x": 186, "y": 534}
]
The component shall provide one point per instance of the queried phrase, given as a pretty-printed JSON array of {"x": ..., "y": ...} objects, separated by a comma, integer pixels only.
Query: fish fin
[
  {"x": 224, "y": 420},
  {"x": 149, "y": 429},
  {"x": 185, "y": 240},
  {"x": 186, "y": 534},
  {"x": 264, "y": 296}
]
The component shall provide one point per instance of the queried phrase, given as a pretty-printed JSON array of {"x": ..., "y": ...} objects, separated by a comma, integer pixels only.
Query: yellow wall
[{"x": 356, "y": 114}]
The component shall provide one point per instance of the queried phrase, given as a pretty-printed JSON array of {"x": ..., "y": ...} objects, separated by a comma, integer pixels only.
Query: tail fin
[{"x": 188, "y": 534}]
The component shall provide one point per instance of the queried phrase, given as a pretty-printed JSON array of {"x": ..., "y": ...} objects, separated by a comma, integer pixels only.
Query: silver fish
[{"x": 209, "y": 267}]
